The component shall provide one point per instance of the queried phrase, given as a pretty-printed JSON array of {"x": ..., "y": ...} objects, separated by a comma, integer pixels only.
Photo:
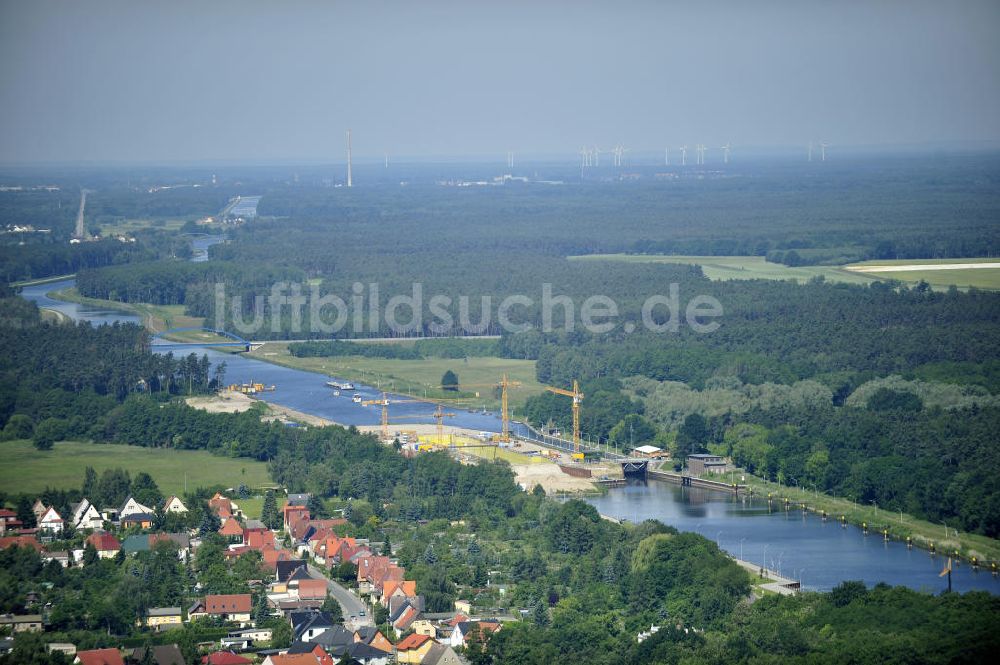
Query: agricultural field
[
  {"x": 420, "y": 378},
  {"x": 721, "y": 268},
  {"x": 981, "y": 273},
  {"x": 29, "y": 470}
]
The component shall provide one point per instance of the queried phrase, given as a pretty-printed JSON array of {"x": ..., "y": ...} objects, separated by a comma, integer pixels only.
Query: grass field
[
  {"x": 721, "y": 268},
  {"x": 982, "y": 278},
  {"x": 127, "y": 226},
  {"x": 420, "y": 378},
  {"x": 26, "y": 469}
]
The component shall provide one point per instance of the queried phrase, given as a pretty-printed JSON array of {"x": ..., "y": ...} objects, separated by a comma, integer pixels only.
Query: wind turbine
[
  {"x": 584, "y": 157},
  {"x": 666, "y": 156},
  {"x": 701, "y": 153},
  {"x": 597, "y": 156},
  {"x": 725, "y": 153},
  {"x": 684, "y": 155},
  {"x": 822, "y": 147},
  {"x": 510, "y": 159}
]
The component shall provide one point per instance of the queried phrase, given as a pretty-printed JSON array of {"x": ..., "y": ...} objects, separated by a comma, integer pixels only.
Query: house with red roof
[
  {"x": 99, "y": 657},
  {"x": 107, "y": 545},
  {"x": 413, "y": 648},
  {"x": 20, "y": 541},
  {"x": 225, "y": 658},
  {"x": 312, "y": 589},
  {"x": 235, "y": 607},
  {"x": 51, "y": 523},
  {"x": 292, "y": 514},
  {"x": 232, "y": 530}
]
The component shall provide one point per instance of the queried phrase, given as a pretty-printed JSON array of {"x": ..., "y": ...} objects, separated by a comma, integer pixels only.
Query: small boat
[
  {"x": 356, "y": 399},
  {"x": 336, "y": 393}
]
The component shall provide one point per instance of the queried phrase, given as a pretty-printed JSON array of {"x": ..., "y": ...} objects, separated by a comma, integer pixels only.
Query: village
[{"x": 328, "y": 622}]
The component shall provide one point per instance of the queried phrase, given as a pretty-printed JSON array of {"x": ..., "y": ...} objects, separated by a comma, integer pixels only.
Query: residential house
[
  {"x": 413, "y": 648},
  {"x": 38, "y": 508},
  {"x": 253, "y": 634},
  {"x": 424, "y": 627},
  {"x": 107, "y": 545},
  {"x": 258, "y": 540},
  {"x": 298, "y": 500},
  {"x": 404, "y": 615},
  {"x": 307, "y": 626},
  {"x": 224, "y": 658},
  {"x": 159, "y": 618},
  {"x": 293, "y": 659},
  {"x": 99, "y": 657},
  {"x": 22, "y": 623},
  {"x": 373, "y": 637},
  {"x": 362, "y": 653},
  {"x": 463, "y": 629},
  {"x": 397, "y": 589},
  {"x": 310, "y": 648},
  {"x": 228, "y": 607},
  {"x": 441, "y": 654},
  {"x": 283, "y": 572},
  {"x": 232, "y": 530},
  {"x": 174, "y": 505},
  {"x": 86, "y": 516},
  {"x": 291, "y": 514},
  {"x": 60, "y": 557},
  {"x": 137, "y": 520},
  {"x": 20, "y": 541},
  {"x": 8, "y": 520},
  {"x": 133, "y": 507},
  {"x": 164, "y": 654},
  {"x": 51, "y": 522},
  {"x": 463, "y": 606},
  {"x": 311, "y": 589}
]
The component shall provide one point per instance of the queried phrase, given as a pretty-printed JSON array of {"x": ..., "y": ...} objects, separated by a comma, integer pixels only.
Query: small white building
[
  {"x": 133, "y": 507},
  {"x": 174, "y": 505},
  {"x": 51, "y": 522},
  {"x": 86, "y": 516}
]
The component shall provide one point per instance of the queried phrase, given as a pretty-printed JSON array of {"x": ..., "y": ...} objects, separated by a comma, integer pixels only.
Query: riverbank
[{"x": 880, "y": 523}]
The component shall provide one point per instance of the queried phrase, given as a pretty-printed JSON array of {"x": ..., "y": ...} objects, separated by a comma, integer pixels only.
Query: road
[{"x": 349, "y": 602}]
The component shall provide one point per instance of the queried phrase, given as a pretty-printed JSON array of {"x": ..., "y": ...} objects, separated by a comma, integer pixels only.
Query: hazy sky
[{"x": 171, "y": 80}]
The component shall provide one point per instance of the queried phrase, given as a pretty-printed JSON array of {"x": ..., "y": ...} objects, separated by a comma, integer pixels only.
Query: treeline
[
  {"x": 424, "y": 348},
  {"x": 59, "y": 381},
  {"x": 47, "y": 260}
]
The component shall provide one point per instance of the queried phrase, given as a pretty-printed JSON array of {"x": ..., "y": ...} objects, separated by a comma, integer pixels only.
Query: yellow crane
[
  {"x": 384, "y": 402},
  {"x": 439, "y": 415},
  {"x": 577, "y": 398},
  {"x": 504, "y": 385}
]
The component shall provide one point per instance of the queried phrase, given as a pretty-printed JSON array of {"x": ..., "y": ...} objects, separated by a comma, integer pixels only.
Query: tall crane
[
  {"x": 384, "y": 402},
  {"x": 504, "y": 385},
  {"x": 439, "y": 415},
  {"x": 577, "y": 399}
]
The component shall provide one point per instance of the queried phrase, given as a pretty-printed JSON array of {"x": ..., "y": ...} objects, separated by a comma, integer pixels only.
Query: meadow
[
  {"x": 29, "y": 470},
  {"x": 422, "y": 377}
]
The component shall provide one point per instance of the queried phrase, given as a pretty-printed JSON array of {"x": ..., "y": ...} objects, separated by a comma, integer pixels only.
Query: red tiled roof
[
  {"x": 231, "y": 528},
  {"x": 295, "y": 659},
  {"x": 312, "y": 589},
  {"x": 225, "y": 658},
  {"x": 100, "y": 657},
  {"x": 259, "y": 539},
  {"x": 20, "y": 541},
  {"x": 227, "y": 604},
  {"x": 412, "y": 641},
  {"x": 104, "y": 542}
]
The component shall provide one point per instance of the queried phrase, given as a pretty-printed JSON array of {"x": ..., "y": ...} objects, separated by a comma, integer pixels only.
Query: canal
[{"x": 801, "y": 546}]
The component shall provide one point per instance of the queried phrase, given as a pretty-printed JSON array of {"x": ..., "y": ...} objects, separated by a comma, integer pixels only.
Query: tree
[
  {"x": 332, "y": 607},
  {"x": 692, "y": 435},
  {"x": 48, "y": 432},
  {"x": 89, "y": 482},
  {"x": 386, "y": 546},
  {"x": 18, "y": 427},
  {"x": 632, "y": 431},
  {"x": 24, "y": 512},
  {"x": 261, "y": 612},
  {"x": 269, "y": 514},
  {"x": 540, "y": 615},
  {"x": 449, "y": 381},
  {"x": 89, "y": 555},
  {"x": 316, "y": 506},
  {"x": 145, "y": 490},
  {"x": 210, "y": 522}
]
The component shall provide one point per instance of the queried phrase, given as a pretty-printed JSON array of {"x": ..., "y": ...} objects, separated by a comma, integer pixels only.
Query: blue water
[{"x": 820, "y": 554}]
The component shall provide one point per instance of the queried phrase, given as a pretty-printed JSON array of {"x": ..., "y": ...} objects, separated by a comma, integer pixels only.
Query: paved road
[{"x": 349, "y": 602}]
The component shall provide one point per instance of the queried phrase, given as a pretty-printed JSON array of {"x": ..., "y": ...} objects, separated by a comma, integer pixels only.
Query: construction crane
[
  {"x": 504, "y": 384},
  {"x": 439, "y": 415},
  {"x": 384, "y": 402},
  {"x": 577, "y": 398}
]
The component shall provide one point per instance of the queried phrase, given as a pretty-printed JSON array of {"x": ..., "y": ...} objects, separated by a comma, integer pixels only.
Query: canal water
[{"x": 799, "y": 546}]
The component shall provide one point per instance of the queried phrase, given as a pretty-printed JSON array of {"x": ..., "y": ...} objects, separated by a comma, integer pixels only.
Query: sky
[{"x": 244, "y": 80}]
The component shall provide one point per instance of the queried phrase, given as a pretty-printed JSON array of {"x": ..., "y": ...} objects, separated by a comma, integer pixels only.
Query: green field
[
  {"x": 26, "y": 469},
  {"x": 156, "y": 318},
  {"x": 981, "y": 278},
  {"x": 721, "y": 268},
  {"x": 420, "y": 378}
]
